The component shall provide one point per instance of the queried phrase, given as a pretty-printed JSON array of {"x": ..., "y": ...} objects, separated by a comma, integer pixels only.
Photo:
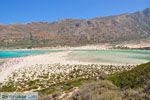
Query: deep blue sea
[{"x": 21, "y": 53}]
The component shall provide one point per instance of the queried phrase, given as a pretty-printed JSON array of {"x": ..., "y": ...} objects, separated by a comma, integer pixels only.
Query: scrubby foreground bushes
[
  {"x": 135, "y": 83},
  {"x": 100, "y": 90},
  {"x": 137, "y": 77},
  {"x": 128, "y": 85}
]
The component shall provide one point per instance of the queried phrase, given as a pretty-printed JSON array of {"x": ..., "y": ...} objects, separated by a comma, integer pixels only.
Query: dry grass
[{"x": 100, "y": 90}]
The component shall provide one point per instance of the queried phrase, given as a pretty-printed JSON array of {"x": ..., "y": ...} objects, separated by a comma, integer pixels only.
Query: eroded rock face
[{"x": 73, "y": 32}]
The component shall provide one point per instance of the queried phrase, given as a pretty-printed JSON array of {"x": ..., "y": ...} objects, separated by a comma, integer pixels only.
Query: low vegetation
[
  {"x": 126, "y": 85},
  {"x": 98, "y": 90},
  {"x": 44, "y": 76},
  {"x": 135, "y": 78},
  {"x": 133, "y": 84}
]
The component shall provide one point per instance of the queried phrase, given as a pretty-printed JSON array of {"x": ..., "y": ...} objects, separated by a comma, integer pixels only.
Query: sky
[{"x": 25, "y": 11}]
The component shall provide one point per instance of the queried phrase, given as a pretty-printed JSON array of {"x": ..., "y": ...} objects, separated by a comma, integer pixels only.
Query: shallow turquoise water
[
  {"x": 98, "y": 56},
  {"x": 21, "y": 53},
  {"x": 112, "y": 56}
]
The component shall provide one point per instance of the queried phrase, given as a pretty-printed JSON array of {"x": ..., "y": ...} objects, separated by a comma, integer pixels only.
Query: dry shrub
[
  {"x": 100, "y": 90},
  {"x": 138, "y": 94}
]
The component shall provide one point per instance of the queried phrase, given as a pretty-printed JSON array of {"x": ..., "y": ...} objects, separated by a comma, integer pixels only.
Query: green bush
[{"x": 134, "y": 78}]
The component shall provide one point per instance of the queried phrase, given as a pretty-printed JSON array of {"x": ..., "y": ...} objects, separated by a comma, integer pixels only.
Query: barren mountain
[{"x": 133, "y": 27}]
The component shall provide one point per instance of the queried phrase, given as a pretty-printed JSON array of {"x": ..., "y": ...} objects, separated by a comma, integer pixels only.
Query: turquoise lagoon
[
  {"x": 21, "y": 53},
  {"x": 111, "y": 56},
  {"x": 95, "y": 56}
]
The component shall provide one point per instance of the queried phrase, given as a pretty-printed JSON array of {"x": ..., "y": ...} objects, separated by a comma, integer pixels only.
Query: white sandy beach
[
  {"x": 9, "y": 66},
  {"x": 13, "y": 64}
]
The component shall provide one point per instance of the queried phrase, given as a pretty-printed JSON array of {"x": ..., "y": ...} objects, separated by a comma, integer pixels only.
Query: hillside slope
[{"x": 73, "y": 32}]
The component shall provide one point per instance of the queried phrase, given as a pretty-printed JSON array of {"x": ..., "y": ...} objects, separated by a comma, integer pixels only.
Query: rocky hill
[{"x": 75, "y": 32}]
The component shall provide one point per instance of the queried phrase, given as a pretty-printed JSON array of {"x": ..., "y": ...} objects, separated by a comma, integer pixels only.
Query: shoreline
[
  {"x": 105, "y": 46},
  {"x": 13, "y": 64}
]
